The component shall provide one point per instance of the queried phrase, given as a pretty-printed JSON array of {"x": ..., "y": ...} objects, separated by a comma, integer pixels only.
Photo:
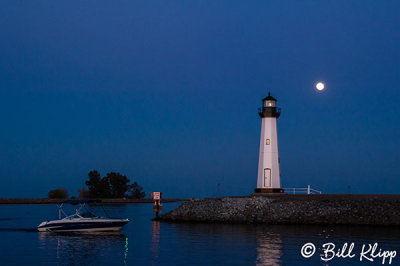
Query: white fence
[{"x": 307, "y": 190}]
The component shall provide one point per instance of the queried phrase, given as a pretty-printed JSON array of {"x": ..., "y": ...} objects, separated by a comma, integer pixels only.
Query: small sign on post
[
  {"x": 156, "y": 195},
  {"x": 157, "y": 207}
]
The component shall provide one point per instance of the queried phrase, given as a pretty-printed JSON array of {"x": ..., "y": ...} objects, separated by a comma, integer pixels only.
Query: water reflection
[
  {"x": 269, "y": 247},
  {"x": 177, "y": 244},
  {"x": 234, "y": 244},
  {"x": 155, "y": 241},
  {"x": 266, "y": 244},
  {"x": 73, "y": 248},
  {"x": 126, "y": 251}
]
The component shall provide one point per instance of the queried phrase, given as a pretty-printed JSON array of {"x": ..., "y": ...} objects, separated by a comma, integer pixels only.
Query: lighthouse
[{"x": 269, "y": 178}]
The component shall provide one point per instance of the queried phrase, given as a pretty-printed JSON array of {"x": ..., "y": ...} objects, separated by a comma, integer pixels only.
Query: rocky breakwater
[{"x": 291, "y": 209}]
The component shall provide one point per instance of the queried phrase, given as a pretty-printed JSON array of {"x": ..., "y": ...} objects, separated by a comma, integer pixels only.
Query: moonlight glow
[{"x": 320, "y": 86}]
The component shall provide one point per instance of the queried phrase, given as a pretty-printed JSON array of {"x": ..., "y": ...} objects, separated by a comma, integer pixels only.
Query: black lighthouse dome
[
  {"x": 269, "y": 108},
  {"x": 269, "y": 98}
]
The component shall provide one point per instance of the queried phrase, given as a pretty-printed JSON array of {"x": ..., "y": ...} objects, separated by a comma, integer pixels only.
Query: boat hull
[{"x": 83, "y": 225}]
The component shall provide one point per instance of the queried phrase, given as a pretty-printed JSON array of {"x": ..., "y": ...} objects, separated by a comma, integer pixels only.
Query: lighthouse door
[{"x": 267, "y": 177}]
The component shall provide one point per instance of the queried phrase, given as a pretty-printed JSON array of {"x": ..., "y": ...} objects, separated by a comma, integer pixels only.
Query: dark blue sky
[{"x": 167, "y": 93}]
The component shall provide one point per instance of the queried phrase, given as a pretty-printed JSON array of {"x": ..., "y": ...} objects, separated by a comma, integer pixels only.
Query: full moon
[{"x": 320, "y": 86}]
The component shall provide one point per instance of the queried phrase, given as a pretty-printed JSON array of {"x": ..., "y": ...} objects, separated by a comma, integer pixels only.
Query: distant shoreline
[{"x": 55, "y": 201}]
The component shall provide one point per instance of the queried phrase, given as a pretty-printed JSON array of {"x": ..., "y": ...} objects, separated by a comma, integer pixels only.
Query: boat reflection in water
[{"x": 90, "y": 248}]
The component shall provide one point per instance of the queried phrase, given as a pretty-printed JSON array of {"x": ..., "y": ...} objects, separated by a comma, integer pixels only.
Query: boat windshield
[
  {"x": 88, "y": 215},
  {"x": 81, "y": 215}
]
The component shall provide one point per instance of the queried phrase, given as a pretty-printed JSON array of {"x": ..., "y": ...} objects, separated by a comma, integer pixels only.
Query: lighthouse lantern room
[{"x": 269, "y": 178}]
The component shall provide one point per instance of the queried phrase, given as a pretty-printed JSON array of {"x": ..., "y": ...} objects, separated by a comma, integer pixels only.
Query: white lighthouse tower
[{"x": 269, "y": 178}]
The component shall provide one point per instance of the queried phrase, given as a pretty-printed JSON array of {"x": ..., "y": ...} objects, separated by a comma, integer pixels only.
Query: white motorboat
[{"x": 82, "y": 221}]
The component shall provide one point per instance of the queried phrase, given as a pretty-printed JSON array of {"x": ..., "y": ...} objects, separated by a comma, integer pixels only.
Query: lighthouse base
[{"x": 269, "y": 190}]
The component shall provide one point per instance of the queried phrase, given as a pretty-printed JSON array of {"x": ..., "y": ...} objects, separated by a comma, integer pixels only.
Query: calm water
[{"x": 143, "y": 242}]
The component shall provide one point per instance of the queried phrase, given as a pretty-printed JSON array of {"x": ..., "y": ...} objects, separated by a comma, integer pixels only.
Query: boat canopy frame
[{"x": 82, "y": 204}]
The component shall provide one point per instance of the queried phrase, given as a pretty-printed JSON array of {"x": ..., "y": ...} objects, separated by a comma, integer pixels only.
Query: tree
[
  {"x": 119, "y": 184},
  {"x": 113, "y": 185},
  {"x": 93, "y": 184},
  {"x": 136, "y": 191},
  {"x": 104, "y": 190},
  {"x": 59, "y": 193}
]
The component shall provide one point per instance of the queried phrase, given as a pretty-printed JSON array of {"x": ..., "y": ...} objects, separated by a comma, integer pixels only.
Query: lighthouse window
[
  {"x": 269, "y": 104},
  {"x": 267, "y": 142}
]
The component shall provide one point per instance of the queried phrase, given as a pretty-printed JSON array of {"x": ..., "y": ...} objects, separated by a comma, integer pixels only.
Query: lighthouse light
[{"x": 269, "y": 104}]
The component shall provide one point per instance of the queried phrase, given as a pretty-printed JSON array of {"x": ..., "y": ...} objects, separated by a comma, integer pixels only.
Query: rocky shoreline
[{"x": 291, "y": 209}]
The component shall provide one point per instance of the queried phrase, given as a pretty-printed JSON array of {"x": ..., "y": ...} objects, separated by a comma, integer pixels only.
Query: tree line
[{"x": 113, "y": 185}]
